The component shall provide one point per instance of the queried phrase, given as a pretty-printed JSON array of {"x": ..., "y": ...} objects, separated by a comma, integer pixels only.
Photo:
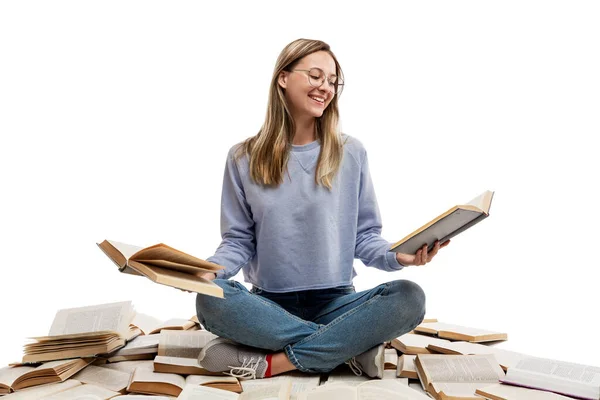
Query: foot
[
  {"x": 371, "y": 362},
  {"x": 224, "y": 355}
]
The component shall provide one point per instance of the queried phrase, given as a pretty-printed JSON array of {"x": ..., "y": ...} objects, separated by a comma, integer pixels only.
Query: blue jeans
[{"x": 317, "y": 329}]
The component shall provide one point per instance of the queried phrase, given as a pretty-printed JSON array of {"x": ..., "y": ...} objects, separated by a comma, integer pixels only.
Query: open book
[
  {"x": 18, "y": 378},
  {"x": 561, "y": 377},
  {"x": 457, "y": 377},
  {"x": 84, "y": 392},
  {"x": 277, "y": 391},
  {"x": 446, "y": 225},
  {"x": 367, "y": 390},
  {"x": 178, "y": 352},
  {"x": 458, "y": 332},
  {"x": 111, "y": 379},
  {"x": 84, "y": 332},
  {"x": 499, "y": 391},
  {"x": 150, "y": 325},
  {"x": 163, "y": 264}
]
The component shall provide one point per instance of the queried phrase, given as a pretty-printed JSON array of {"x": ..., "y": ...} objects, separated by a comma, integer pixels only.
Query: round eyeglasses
[{"x": 316, "y": 78}]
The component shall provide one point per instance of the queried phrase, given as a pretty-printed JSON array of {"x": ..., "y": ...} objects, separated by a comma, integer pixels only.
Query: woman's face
[{"x": 303, "y": 98}]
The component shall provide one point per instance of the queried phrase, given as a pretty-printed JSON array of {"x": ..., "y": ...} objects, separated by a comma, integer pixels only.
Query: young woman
[{"x": 298, "y": 206}]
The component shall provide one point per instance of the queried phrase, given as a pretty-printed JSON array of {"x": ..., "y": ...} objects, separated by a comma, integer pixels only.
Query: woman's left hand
[{"x": 422, "y": 256}]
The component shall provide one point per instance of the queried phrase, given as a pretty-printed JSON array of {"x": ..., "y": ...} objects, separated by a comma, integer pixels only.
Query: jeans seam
[
  {"x": 282, "y": 310},
  {"x": 336, "y": 321},
  {"x": 292, "y": 357}
]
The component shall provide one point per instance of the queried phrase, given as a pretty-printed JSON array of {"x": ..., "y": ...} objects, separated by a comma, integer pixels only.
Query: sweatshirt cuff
[{"x": 392, "y": 261}]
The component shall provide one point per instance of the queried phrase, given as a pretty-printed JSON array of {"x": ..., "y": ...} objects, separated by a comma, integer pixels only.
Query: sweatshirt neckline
[{"x": 305, "y": 147}]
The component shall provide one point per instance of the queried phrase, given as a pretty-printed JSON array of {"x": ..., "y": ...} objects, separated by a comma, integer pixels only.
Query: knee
[
  {"x": 410, "y": 300},
  {"x": 209, "y": 307}
]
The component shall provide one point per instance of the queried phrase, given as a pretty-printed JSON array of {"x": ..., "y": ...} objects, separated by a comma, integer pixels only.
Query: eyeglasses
[{"x": 316, "y": 78}]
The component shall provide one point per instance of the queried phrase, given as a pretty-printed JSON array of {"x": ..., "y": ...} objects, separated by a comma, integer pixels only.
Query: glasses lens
[
  {"x": 339, "y": 86},
  {"x": 315, "y": 77}
]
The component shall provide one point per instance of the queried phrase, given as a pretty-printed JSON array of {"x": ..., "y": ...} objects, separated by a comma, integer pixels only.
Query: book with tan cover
[
  {"x": 459, "y": 332},
  {"x": 150, "y": 325},
  {"x": 164, "y": 265},
  {"x": 17, "y": 378},
  {"x": 276, "y": 391},
  {"x": 446, "y": 225},
  {"x": 178, "y": 352}
]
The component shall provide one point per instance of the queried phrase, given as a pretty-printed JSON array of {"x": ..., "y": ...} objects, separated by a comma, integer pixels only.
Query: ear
[{"x": 282, "y": 79}]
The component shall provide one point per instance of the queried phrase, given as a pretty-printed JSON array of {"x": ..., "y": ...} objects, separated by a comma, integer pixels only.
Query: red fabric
[{"x": 268, "y": 371}]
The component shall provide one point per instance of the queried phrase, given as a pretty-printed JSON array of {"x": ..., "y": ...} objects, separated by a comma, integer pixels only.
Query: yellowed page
[
  {"x": 110, "y": 379},
  {"x": 391, "y": 358},
  {"x": 42, "y": 391},
  {"x": 9, "y": 374},
  {"x": 337, "y": 391},
  {"x": 194, "y": 392},
  {"x": 390, "y": 375},
  {"x": 84, "y": 392},
  {"x": 145, "y": 344},
  {"x": 406, "y": 366},
  {"x": 202, "y": 379},
  {"x": 113, "y": 317},
  {"x": 458, "y": 368},
  {"x": 462, "y": 390},
  {"x": 185, "y": 344},
  {"x": 278, "y": 391},
  {"x": 411, "y": 340},
  {"x": 126, "y": 249},
  {"x": 505, "y": 358},
  {"x": 378, "y": 393},
  {"x": 142, "y": 397},
  {"x": 464, "y": 330},
  {"x": 146, "y": 322}
]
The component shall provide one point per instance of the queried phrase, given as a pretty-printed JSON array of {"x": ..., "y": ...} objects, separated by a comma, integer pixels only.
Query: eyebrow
[{"x": 323, "y": 71}]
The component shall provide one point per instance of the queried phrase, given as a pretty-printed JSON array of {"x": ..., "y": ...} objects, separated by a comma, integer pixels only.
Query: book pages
[
  {"x": 142, "y": 397},
  {"x": 411, "y": 343},
  {"x": 145, "y": 344},
  {"x": 204, "y": 379},
  {"x": 142, "y": 375},
  {"x": 114, "y": 317},
  {"x": 406, "y": 367},
  {"x": 84, "y": 392},
  {"x": 9, "y": 374},
  {"x": 301, "y": 382},
  {"x": 505, "y": 358},
  {"x": 500, "y": 391},
  {"x": 183, "y": 344},
  {"x": 451, "y": 331},
  {"x": 464, "y": 390},
  {"x": 145, "y": 322},
  {"x": 451, "y": 368},
  {"x": 193, "y": 392},
  {"x": 127, "y": 250},
  {"x": 42, "y": 391},
  {"x": 110, "y": 379},
  {"x": 391, "y": 358},
  {"x": 177, "y": 324},
  {"x": 278, "y": 391},
  {"x": 130, "y": 366}
]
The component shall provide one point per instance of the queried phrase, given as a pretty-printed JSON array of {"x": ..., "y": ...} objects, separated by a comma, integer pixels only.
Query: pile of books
[{"x": 109, "y": 351}]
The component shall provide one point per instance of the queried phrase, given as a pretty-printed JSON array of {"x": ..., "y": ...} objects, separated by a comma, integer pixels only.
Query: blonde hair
[{"x": 268, "y": 151}]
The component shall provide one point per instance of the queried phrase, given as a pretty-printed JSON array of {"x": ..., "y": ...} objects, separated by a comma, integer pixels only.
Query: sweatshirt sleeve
[
  {"x": 238, "y": 244},
  {"x": 371, "y": 248}
]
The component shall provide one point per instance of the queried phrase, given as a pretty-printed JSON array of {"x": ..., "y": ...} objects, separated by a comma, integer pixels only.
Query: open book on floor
[
  {"x": 505, "y": 358},
  {"x": 111, "y": 379},
  {"x": 457, "y": 377},
  {"x": 17, "y": 378},
  {"x": 570, "y": 379},
  {"x": 164, "y": 265},
  {"x": 150, "y": 325},
  {"x": 84, "y": 392},
  {"x": 446, "y": 225},
  {"x": 178, "y": 352},
  {"x": 499, "y": 391},
  {"x": 370, "y": 389},
  {"x": 84, "y": 332},
  {"x": 459, "y": 332}
]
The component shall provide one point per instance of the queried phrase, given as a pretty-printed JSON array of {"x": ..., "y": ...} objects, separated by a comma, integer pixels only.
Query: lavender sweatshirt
[{"x": 301, "y": 236}]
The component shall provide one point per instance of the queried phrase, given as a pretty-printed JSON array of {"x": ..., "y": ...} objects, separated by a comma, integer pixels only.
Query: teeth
[{"x": 317, "y": 99}]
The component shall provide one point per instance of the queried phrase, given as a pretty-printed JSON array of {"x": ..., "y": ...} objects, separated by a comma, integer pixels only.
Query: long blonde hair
[{"x": 268, "y": 151}]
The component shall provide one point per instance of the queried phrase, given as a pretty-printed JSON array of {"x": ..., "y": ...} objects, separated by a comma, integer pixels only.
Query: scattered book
[
  {"x": 458, "y": 332},
  {"x": 84, "y": 332},
  {"x": 370, "y": 389},
  {"x": 570, "y": 379},
  {"x": 18, "y": 378},
  {"x": 505, "y": 358},
  {"x": 88, "y": 391},
  {"x": 406, "y": 367},
  {"x": 391, "y": 359},
  {"x": 145, "y": 344},
  {"x": 229, "y": 383},
  {"x": 499, "y": 391},
  {"x": 277, "y": 391},
  {"x": 447, "y": 225},
  {"x": 164, "y": 265},
  {"x": 178, "y": 352},
  {"x": 113, "y": 380},
  {"x": 301, "y": 382},
  {"x": 150, "y": 325},
  {"x": 148, "y": 382},
  {"x": 411, "y": 343},
  {"x": 456, "y": 377},
  {"x": 43, "y": 391}
]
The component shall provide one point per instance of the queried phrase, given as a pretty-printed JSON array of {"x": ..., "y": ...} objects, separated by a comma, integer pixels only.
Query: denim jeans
[{"x": 317, "y": 329}]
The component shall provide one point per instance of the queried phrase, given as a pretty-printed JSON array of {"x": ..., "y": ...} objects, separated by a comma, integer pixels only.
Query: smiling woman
[{"x": 298, "y": 206}]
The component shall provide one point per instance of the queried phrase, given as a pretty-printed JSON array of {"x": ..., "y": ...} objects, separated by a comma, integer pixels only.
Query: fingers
[{"x": 422, "y": 256}]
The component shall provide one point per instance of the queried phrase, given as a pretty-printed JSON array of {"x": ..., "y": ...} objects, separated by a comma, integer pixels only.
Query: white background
[{"x": 116, "y": 118}]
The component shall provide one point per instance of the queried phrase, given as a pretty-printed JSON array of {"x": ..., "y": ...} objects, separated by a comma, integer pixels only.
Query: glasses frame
[{"x": 339, "y": 86}]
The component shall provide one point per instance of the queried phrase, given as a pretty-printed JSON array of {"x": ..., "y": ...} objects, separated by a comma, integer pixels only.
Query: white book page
[
  {"x": 278, "y": 391},
  {"x": 193, "y": 392},
  {"x": 390, "y": 375},
  {"x": 406, "y": 363},
  {"x": 186, "y": 344},
  {"x": 179, "y": 361},
  {"x": 141, "y": 397},
  {"x": 9, "y": 374},
  {"x": 455, "y": 368},
  {"x": 465, "y": 330},
  {"x": 126, "y": 249},
  {"x": 331, "y": 392},
  {"x": 419, "y": 394},
  {"x": 108, "y": 378},
  {"x": 139, "y": 345},
  {"x": 509, "y": 392},
  {"x": 346, "y": 377},
  {"x": 84, "y": 392},
  {"x": 145, "y": 375},
  {"x": 391, "y": 356},
  {"x": 145, "y": 322},
  {"x": 202, "y": 379},
  {"x": 42, "y": 391},
  {"x": 300, "y": 382},
  {"x": 113, "y": 317},
  {"x": 562, "y": 370},
  {"x": 378, "y": 393},
  {"x": 420, "y": 341},
  {"x": 130, "y": 366},
  {"x": 506, "y": 358},
  {"x": 458, "y": 389}
]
